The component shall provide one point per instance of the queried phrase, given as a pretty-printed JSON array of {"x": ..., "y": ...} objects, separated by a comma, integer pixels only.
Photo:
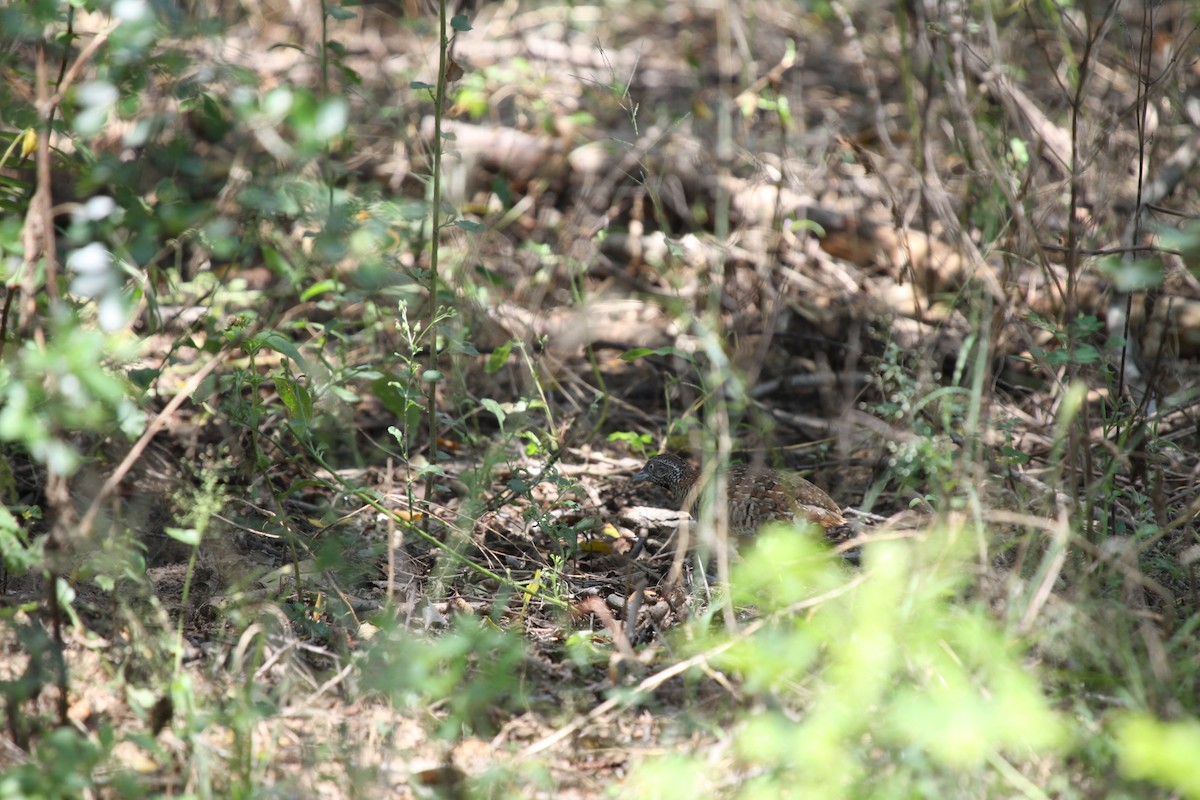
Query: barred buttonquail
[{"x": 757, "y": 495}]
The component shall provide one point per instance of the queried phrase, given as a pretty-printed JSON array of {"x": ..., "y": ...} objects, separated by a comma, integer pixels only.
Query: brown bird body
[{"x": 757, "y": 495}]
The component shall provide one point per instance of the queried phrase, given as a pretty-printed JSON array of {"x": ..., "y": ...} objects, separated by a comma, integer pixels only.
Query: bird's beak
[{"x": 641, "y": 476}]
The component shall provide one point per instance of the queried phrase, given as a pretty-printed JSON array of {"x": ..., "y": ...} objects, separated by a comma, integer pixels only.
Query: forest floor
[{"x": 880, "y": 273}]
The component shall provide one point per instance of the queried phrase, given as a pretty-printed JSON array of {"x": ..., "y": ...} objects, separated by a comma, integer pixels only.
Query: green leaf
[
  {"x": 498, "y": 358},
  {"x": 1162, "y": 752},
  {"x": 419, "y": 85},
  {"x": 1132, "y": 276},
  {"x": 273, "y": 340},
  {"x": 321, "y": 287},
  {"x": 641, "y": 352},
  {"x": 494, "y": 407},
  {"x": 276, "y": 262},
  {"x": 188, "y": 536},
  {"x": 1013, "y": 455},
  {"x": 1058, "y": 358},
  {"x": 18, "y": 554},
  {"x": 413, "y": 211},
  {"x": 638, "y": 442},
  {"x": 470, "y": 225},
  {"x": 1087, "y": 325},
  {"x": 143, "y": 377},
  {"x": 331, "y": 118},
  {"x": 296, "y": 398},
  {"x": 460, "y": 23},
  {"x": 1086, "y": 354},
  {"x": 785, "y": 113},
  {"x": 1185, "y": 241},
  {"x": 813, "y": 226},
  {"x": 398, "y": 398},
  {"x": 1019, "y": 151},
  {"x": 429, "y": 469}
]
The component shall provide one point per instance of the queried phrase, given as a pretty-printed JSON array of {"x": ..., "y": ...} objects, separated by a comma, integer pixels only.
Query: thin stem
[{"x": 432, "y": 374}]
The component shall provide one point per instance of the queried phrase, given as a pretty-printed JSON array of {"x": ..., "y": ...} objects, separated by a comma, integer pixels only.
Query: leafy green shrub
[
  {"x": 883, "y": 683},
  {"x": 466, "y": 676}
]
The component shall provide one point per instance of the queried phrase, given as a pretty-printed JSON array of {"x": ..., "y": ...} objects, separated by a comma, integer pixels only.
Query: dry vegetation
[{"x": 305, "y": 500}]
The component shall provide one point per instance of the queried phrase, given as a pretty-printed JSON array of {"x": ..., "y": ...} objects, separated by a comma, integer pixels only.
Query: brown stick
[{"x": 114, "y": 480}]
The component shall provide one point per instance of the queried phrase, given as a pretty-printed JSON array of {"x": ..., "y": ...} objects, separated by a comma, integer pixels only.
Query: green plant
[
  {"x": 638, "y": 443},
  {"x": 877, "y": 683},
  {"x": 43, "y": 774},
  {"x": 1073, "y": 343},
  {"x": 462, "y": 678},
  {"x": 925, "y": 464}
]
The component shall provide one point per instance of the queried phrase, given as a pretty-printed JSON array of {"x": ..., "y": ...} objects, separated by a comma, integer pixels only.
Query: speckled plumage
[{"x": 757, "y": 495}]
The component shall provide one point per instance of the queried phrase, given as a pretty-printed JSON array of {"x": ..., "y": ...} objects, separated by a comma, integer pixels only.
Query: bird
[{"x": 757, "y": 495}]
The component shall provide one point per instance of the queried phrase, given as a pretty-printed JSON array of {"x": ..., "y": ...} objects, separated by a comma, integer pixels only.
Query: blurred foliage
[
  {"x": 858, "y": 673},
  {"x": 470, "y": 673}
]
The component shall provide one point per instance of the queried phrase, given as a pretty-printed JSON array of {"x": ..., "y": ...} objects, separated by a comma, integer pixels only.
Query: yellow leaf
[{"x": 29, "y": 142}]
